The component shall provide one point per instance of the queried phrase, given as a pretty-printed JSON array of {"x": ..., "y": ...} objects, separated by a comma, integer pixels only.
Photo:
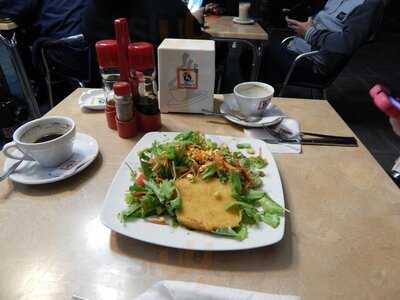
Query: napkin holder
[{"x": 186, "y": 75}]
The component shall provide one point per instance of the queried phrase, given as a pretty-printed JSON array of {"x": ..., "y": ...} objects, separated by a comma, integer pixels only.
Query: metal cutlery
[
  {"x": 10, "y": 170},
  {"x": 235, "y": 114},
  {"x": 239, "y": 116},
  {"x": 280, "y": 136}
]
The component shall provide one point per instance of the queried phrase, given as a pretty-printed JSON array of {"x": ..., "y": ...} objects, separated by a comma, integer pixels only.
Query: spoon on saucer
[
  {"x": 235, "y": 114},
  {"x": 10, "y": 170},
  {"x": 241, "y": 117}
]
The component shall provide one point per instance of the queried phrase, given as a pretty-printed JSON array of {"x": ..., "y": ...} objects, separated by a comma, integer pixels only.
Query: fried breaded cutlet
[{"x": 203, "y": 205}]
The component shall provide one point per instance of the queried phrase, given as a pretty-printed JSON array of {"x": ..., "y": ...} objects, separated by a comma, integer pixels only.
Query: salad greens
[{"x": 153, "y": 191}]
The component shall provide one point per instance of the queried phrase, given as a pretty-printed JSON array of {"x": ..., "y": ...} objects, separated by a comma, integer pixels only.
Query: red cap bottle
[
  {"x": 141, "y": 56},
  {"x": 141, "y": 63},
  {"x": 107, "y": 54}
]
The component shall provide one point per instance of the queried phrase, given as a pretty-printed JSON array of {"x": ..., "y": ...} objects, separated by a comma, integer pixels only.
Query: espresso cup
[
  {"x": 48, "y": 140},
  {"x": 253, "y": 97}
]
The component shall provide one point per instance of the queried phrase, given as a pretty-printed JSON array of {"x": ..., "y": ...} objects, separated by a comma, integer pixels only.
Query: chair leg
[
  {"x": 50, "y": 91},
  {"x": 324, "y": 94},
  {"x": 47, "y": 77}
]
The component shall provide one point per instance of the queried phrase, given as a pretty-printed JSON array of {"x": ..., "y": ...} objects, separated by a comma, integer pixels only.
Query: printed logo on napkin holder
[{"x": 188, "y": 78}]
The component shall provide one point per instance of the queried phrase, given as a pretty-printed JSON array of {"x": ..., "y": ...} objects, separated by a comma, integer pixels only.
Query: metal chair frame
[
  {"x": 295, "y": 63},
  {"x": 48, "y": 76}
]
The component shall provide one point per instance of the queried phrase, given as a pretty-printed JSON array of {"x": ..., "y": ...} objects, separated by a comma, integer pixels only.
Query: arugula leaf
[
  {"x": 222, "y": 176},
  {"x": 235, "y": 182},
  {"x": 209, "y": 171},
  {"x": 130, "y": 199},
  {"x": 146, "y": 167},
  {"x": 136, "y": 188},
  {"x": 244, "y": 146},
  {"x": 212, "y": 145},
  {"x": 257, "y": 162},
  {"x": 250, "y": 151},
  {"x": 253, "y": 162},
  {"x": 256, "y": 181},
  {"x": 129, "y": 212},
  {"x": 167, "y": 189},
  {"x": 251, "y": 215},
  {"x": 271, "y": 219},
  {"x": 194, "y": 137},
  {"x": 174, "y": 205},
  {"x": 174, "y": 222},
  {"x": 149, "y": 204},
  {"x": 239, "y": 233},
  {"x": 154, "y": 188},
  {"x": 251, "y": 196},
  {"x": 171, "y": 151},
  {"x": 270, "y": 206}
]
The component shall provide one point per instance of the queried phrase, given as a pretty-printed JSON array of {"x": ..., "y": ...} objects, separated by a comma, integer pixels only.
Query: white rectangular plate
[{"x": 180, "y": 237}]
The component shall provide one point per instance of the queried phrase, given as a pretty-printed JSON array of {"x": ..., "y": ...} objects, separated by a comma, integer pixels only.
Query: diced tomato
[{"x": 140, "y": 179}]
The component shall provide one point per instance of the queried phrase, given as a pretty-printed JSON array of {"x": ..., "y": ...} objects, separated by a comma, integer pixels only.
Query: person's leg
[{"x": 277, "y": 61}]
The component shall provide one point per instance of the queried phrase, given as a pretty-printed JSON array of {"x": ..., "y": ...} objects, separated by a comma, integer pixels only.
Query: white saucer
[
  {"x": 93, "y": 99},
  {"x": 243, "y": 22},
  {"x": 272, "y": 114},
  {"x": 30, "y": 172}
]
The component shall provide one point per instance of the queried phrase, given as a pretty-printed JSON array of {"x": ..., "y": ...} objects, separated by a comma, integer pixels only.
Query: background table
[
  {"x": 8, "y": 25},
  {"x": 342, "y": 238},
  {"x": 223, "y": 29}
]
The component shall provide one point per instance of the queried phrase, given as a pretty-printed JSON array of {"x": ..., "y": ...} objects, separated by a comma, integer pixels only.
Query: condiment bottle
[
  {"x": 123, "y": 40},
  {"x": 141, "y": 62},
  {"x": 126, "y": 124},
  {"x": 107, "y": 57}
]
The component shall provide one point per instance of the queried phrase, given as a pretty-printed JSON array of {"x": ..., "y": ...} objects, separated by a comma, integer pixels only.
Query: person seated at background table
[
  {"x": 337, "y": 31},
  {"x": 150, "y": 21},
  {"x": 45, "y": 20}
]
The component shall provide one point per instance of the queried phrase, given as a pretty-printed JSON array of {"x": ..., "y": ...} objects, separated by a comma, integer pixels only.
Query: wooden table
[
  {"x": 223, "y": 29},
  {"x": 342, "y": 238}
]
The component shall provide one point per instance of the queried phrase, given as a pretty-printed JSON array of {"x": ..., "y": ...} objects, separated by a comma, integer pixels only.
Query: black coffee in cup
[{"x": 47, "y": 138}]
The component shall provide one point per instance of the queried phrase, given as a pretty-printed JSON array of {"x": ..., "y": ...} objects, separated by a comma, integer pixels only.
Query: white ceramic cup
[
  {"x": 49, "y": 153},
  {"x": 244, "y": 8},
  {"x": 253, "y": 97}
]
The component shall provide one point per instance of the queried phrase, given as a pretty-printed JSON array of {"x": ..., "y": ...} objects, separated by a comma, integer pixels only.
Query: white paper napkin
[
  {"x": 288, "y": 124},
  {"x": 179, "y": 290}
]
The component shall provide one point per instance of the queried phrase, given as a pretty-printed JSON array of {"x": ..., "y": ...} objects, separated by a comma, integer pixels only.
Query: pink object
[
  {"x": 122, "y": 36},
  {"x": 383, "y": 100}
]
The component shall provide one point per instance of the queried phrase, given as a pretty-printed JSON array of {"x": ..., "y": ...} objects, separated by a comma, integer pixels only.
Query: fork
[{"x": 316, "y": 138}]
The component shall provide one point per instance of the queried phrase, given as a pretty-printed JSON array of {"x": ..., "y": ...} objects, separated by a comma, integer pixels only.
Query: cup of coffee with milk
[
  {"x": 244, "y": 8},
  {"x": 48, "y": 140},
  {"x": 253, "y": 98}
]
